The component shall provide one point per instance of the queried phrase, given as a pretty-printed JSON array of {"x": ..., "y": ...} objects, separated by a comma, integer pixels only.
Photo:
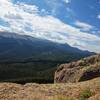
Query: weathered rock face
[{"x": 82, "y": 70}]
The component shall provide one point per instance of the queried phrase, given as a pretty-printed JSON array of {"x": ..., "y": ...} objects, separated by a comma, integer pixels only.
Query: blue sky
[{"x": 76, "y": 22}]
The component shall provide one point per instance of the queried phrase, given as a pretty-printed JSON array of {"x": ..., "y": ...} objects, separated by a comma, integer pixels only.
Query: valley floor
[{"x": 67, "y": 91}]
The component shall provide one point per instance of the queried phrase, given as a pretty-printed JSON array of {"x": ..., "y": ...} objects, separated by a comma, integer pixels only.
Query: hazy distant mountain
[{"x": 14, "y": 47}]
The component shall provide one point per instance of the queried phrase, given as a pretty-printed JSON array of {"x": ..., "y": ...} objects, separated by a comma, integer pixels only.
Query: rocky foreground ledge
[{"x": 64, "y": 91}]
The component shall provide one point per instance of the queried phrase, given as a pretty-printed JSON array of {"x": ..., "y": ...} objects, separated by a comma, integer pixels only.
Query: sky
[{"x": 75, "y": 22}]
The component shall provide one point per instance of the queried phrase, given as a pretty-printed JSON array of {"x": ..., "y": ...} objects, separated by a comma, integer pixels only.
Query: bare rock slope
[{"x": 82, "y": 70}]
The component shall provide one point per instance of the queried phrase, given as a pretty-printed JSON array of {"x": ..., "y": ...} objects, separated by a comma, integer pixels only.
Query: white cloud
[
  {"x": 83, "y": 26},
  {"x": 98, "y": 16},
  {"x": 21, "y": 15},
  {"x": 54, "y": 5},
  {"x": 66, "y": 1}
]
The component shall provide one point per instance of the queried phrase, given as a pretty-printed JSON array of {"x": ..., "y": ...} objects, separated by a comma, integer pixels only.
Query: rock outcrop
[{"x": 82, "y": 70}]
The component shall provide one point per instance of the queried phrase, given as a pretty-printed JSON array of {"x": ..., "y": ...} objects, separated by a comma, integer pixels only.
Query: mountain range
[{"x": 18, "y": 47}]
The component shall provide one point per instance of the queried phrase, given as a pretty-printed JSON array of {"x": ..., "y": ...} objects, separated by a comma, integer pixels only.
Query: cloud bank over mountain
[{"x": 27, "y": 19}]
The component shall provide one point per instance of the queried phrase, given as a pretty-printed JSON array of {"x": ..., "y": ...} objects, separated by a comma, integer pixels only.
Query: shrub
[{"x": 85, "y": 94}]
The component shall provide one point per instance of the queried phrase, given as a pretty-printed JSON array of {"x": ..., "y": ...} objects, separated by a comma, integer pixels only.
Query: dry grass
[{"x": 32, "y": 91}]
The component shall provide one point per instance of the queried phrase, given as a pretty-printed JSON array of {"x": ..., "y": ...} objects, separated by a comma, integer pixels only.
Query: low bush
[{"x": 85, "y": 94}]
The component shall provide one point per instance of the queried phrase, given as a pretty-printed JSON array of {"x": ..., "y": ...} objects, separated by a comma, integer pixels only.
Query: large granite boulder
[{"x": 82, "y": 70}]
